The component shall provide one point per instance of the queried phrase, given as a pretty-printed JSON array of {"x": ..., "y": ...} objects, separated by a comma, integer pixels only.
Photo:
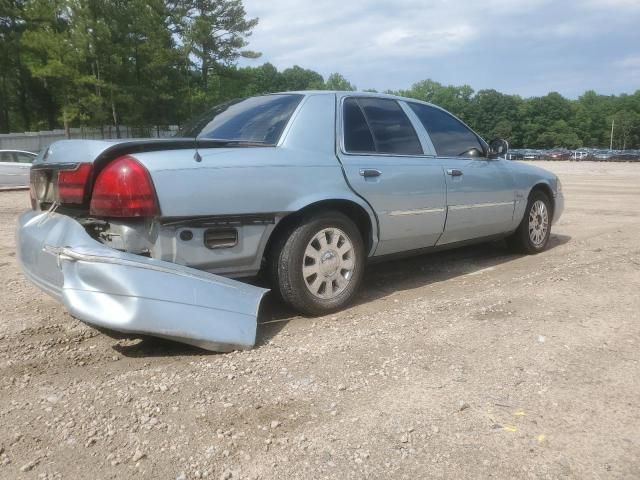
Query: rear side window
[
  {"x": 255, "y": 119},
  {"x": 378, "y": 125},
  {"x": 7, "y": 157},
  {"x": 357, "y": 136},
  {"x": 450, "y": 137}
]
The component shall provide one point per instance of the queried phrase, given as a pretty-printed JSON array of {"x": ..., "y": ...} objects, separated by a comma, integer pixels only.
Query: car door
[
  {"x": 480, "y": 191},
  {"x": 24, "y": 161},
  {"x": 10, "y": 171},
  {"x": 385, "y": 162}
]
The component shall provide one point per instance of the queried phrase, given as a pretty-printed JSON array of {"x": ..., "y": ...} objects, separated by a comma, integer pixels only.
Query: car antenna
[{"x": 196, "y": 156}]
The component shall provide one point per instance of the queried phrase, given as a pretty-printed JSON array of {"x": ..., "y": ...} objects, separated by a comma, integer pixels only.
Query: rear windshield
[{"x": 255, "y": 120}]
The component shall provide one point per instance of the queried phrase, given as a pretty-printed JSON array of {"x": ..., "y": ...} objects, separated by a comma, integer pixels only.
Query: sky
[{"x": 524, "y": 47}]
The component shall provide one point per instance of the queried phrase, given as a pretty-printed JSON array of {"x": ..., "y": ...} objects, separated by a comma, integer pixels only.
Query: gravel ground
[{"x": 464, "y": 364}]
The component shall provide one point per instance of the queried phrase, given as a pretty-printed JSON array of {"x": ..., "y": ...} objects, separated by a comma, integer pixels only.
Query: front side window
[
  {"x": 254, "y": 120},
  {"x": 24, "y": 157},
  {"x": 450, "y": 137},
  {"x": 378, "y": 125}
]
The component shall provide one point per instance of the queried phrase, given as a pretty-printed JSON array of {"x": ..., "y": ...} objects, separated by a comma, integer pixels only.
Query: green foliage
[
  {"x": 539, "y": 122},
  {"x": 214, "y": 32},
  {"x": 298, "y": 78},
  {"x": 451, "y": 98},
  {"x": 627, "y": 131},
  {"x": 335, "y": 81},
  {"x": 91, "y": 62},
  {"x": 153, "y": 62}
]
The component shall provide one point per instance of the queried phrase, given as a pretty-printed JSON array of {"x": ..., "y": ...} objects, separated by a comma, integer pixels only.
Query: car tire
[
  {"x": 322, "y": 249},
  {"x": 532, "y": 235}
]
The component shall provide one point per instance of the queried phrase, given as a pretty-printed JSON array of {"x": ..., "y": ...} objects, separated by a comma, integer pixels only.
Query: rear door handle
[
  {"x": 370, "y": 172},
  {"x": 454, "y": 172}
]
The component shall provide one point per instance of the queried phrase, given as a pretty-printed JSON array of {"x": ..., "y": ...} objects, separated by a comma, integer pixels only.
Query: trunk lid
[
  {"x": 82, "y": 151},
  {"x": 68, "y": 155}
]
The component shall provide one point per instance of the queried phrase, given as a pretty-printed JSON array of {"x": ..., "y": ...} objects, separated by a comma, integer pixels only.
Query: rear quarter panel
[
  {"x": 301, "y": 170},
  {"x": 242, "y": 181}
]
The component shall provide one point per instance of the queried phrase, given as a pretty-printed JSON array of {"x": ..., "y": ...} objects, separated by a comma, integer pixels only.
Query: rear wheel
[
  {"x": 317, "y": 265},
  {"x": 533, "y": 232}
]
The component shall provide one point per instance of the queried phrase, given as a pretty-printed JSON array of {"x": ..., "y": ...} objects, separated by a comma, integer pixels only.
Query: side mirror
[{"x": 498, "y": 148}]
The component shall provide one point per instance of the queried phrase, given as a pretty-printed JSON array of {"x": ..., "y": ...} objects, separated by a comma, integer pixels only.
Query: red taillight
[
  {"x": 124, "y": 189},
  {"x": 72, "y": 184}
]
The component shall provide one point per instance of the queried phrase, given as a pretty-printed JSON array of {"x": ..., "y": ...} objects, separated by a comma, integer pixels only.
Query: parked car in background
[
  {"x": 558, "y": 154},
  {"x": 530, "y": 154},
  {"x": 305, "y": 187},
  {"x": 580, "y": 154},
  {"x": 602, "y": 155},
  {"x": 14, "y": 167},
  {"x": 515, "y": 155},
  {"x": 627, "y": 156}
]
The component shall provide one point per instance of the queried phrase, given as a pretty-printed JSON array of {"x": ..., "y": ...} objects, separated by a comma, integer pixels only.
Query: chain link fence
[{"x": 37, "y": 141}]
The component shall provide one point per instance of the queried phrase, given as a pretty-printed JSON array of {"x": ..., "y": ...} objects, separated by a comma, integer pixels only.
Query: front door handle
[
  {"x": 454, "y": 172},
  {"x": 370, "y": 172}
]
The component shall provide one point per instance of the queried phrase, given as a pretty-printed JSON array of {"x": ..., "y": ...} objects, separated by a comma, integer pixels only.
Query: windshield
[{"x": 255, "y": 120}]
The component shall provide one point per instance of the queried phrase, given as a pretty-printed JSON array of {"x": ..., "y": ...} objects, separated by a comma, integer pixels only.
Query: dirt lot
[{"x": 466, "y": 364}]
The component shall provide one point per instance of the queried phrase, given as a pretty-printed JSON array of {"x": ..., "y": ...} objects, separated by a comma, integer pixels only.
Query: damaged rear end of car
[{"x": 89, "y": 239}]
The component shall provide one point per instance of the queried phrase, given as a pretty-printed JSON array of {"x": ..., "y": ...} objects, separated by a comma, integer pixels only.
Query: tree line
[
  {"x": 67, "y": 63},
  {"x": 540, "y": 122}
]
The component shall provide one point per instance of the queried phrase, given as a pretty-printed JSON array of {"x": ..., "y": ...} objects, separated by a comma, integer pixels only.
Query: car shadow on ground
[
  {"x": 142, "y": 346},
  {"x": 385, "y": 278},
  {"x": 381, "y": 280}
]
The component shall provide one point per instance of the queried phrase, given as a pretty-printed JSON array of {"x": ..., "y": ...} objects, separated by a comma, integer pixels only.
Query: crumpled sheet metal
[{"x": 134, "y": 294}]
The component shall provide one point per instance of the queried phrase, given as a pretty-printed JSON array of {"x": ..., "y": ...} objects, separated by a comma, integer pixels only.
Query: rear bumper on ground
[{"x": 134, "y": 294}]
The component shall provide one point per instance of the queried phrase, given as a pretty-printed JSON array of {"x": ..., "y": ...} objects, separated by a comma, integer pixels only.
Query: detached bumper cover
[{"x": 133, "y": 294}]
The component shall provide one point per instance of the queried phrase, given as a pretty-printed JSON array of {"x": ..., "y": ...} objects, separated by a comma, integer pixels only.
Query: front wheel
[
  {"x": 533, "y": 232},
  {"x": 318, "y": 264}
]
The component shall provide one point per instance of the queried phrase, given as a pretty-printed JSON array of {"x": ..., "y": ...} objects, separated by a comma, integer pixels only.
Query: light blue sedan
[{"x": 145, "y": 236}]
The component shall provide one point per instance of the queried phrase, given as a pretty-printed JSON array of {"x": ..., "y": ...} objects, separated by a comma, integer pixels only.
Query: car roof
[
  {"x": 346, "y": 93},
  {"x": 17, "y": 151}
]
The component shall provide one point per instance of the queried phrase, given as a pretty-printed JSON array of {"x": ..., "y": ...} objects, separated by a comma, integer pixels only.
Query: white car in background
[{"x": 15, "y": 166}]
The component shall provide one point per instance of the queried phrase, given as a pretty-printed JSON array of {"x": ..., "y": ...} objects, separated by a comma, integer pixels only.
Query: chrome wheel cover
[
  {"x": 538, "y": 223},
  {"x": 328, "y": 263}
]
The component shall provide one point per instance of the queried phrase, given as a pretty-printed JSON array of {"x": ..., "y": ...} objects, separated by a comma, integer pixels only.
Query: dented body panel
[
  {"x": 218, "y": 205},
  {"x": 232, "y": 185},
  {"x": 133, "y": 294}
]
